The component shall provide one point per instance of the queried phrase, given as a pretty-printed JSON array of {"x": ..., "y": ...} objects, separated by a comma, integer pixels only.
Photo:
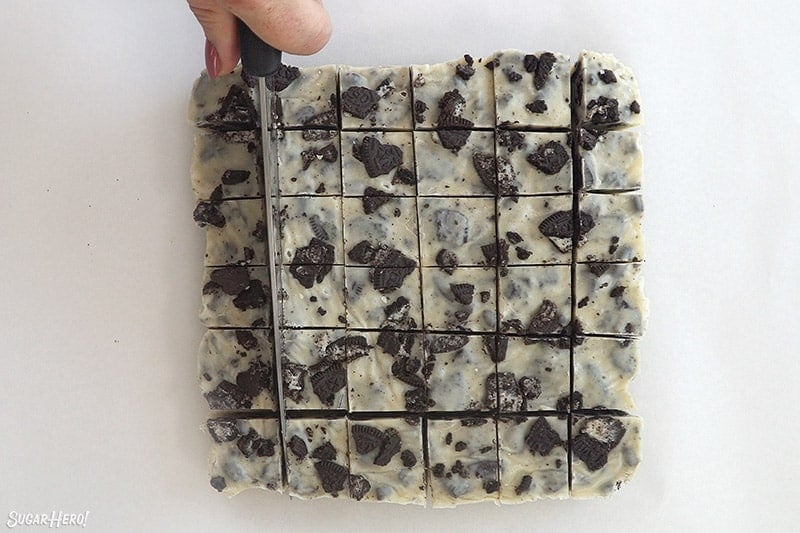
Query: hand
[{"x": 299, "y": 27}]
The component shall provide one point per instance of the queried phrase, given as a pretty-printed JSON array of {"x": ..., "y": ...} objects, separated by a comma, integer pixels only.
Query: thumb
[
  {"x": 222, "y": 41},
  {"x": 299, "y": 27}
]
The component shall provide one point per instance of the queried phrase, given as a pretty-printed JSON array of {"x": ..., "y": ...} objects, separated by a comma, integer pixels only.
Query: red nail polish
[{"x": 212, "y": 60}]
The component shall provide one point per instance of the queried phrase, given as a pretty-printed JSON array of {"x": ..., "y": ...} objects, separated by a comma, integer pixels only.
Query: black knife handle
[{"x": 258, "y": 58}]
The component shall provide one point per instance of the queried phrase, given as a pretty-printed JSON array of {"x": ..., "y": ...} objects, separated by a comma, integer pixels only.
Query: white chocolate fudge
[
  {"x": 607, "y": 93},
  {"x": 317, "y": 458},
  {"x": 538, "y": 229},
  {"x": 454, "y": 95},
  {"x": 311, "y": 230},
  {"x": 459, "y": 369},
  {"x": 609, "y": 299},
  {"x": 226, "y": 164},
  {"x": 542, "y": 162},
  {"x": 459, "y": 227},
  {"x": 378, "y": 161},
  {"x": 386, "y": 460},
  {"x": 533, "y": 458},
  {"x": 605, "y": 453},
  {"x": 462, "y": 300},
  {"x": 380, "y": 220},
  {"x": 375, "y": 98},
  {"x": 451, "y": 163},
  {"x": 532, "y": 90},
  {"x": 246, "y": 454},
  {"x": 235, "y": 296},
  {"x": 319, "y": 305},
  {"x": 314, "y": 367},
  {"x": 612, "y": 160},
  {"x": 389, "y": 377},
  {"x": 235, "y": 231},
  {"x": 309, "y": 163},
  {"x": 227, "y": 103},
  {"x": 463, "y": 461},
  {"x": 611, "y": 228},
  {"x": 535, "y": 300},
  {"x": 306, "y": 96},
  {"x": 603, "y": 369},
  {"x": 235, "y": 369},
  {"x": 534, "y": 375},
  {"x": 383, "y": 298}
]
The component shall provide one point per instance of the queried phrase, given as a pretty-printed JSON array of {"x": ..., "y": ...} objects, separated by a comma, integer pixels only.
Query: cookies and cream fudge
[
  {"x": 312, "y": 296},
  {"x": 538, "y": 229},
  {"x": 309, "y": 163},
  {"x": 387, "y": 461},
  {"x": 606, "y": 450},
  {"x": 226, "y": 103},
  {"x": 611, "y": 228},
  {"x": 378, "y": 161},
  {"x": 236, "y": 231},
  {"x": 375, "y": 98},
  {"x": 306, "y": 98},
  {"x": 454, "y": 95},
  {"x": 612, "y": 160},
  {"x": 463, "y": 228},
  {"x": 609, "y": 299},
  {"x": 459, "y": 299},
  {"x": 383, "y": 298},
  {"x": 532, "y": 90},
  {"x": 235, "y": 296},
  {"x": 311, "y": 230},
  {"x": 541, "y": 161},
  {"x": 226, "y": 164},
  {"x": 534, "y": 374},
  {"x": 317, "y": 462},
  {"x": 603, "y": 368},
  {"x": 379, "y": 221},
  {"x": 314, "y": 364},
  {"x": 460, "y": 372},
  {"x": 606, "y": 93},
  {"x": 235, "y": 369},
  {"x": 535, "y": 300},
  {"x": 245, "y": 454},
  {"x": 533, "y": 458},
  {"x": 462, "y": 458},
  {"x": 454, "y": 163}
]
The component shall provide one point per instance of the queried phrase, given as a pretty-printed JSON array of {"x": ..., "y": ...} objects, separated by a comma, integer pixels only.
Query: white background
[{"x": 100, "y": 261}]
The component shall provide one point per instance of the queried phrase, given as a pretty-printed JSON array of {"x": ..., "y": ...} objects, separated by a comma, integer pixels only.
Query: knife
[{"x": 259, "y": 59}]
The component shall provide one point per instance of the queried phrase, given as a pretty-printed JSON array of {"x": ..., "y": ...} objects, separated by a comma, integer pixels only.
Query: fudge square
[
  {"x": 246, "y": 454},
  {"x": 317, "y": 462},
  {"x": 387, "y": 460}
]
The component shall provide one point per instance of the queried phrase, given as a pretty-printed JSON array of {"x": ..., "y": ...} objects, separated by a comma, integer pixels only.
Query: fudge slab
[
  {"x": 451, "y": 163},
  {"x": 309, "y": 163},
  {"x": 604, "y": 367},
  {"x": 311, "y": 230},
  {"x": 236, "y": 231},
  {"x": 314, "y": 364},
  {"x": 535, "y": 300},
  {"x": 317, "y": 454},
  {"x": 306, "y": 97},
  {"x": 464, "y": 299},
  {"x": 235, "y": 296},
  {"x": 606, "y": 92},
  {"x": 380, "y": 161},
  {"x": 459, "y": 227},
  {"x": 534, "y": 375},
  {"x": 226, "y": 164},
  {"x": 312, "y": 296},
  {"x": 538, "y": 229},
  {"x": 460, "y": 372},
  {"x": 375, "y": 98},
  {"x": 227, "y": 103},
  {"x": 609, "y": 299},
  {"x": 245, "y": 454},
  {"x": 612, "y": 160},
  {"x": 380, "y": 221},
  {"x": 541, "y": 162},
  {"x": 383, "y": 298},
  {"x": 611, "y": 228}
]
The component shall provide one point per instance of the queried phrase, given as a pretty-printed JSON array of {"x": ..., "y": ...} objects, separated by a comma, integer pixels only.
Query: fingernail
[{"x": 212, "y": 60}]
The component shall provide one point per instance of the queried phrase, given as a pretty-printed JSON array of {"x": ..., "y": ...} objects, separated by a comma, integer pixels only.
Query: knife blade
[{"x": 260, "y": 59}]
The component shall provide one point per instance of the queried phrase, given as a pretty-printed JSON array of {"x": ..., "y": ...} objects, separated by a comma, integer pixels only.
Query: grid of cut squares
[{"x": 489, "y": 216}]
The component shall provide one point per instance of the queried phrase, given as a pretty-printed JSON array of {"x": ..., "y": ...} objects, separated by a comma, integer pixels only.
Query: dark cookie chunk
[
  {"x": 453, "y": 140},
  {"x": 546, "y": 319},
  {"x": 511, "y": 140},
  {"x": 617, "y": 291},
  {"x": 635, "y": 107},
  {"x": 252, "y": 443},
  {"x": 522, "y": 253},
  {"x": 298, "y": 447},
  {"x": 598, "y": 269},
  {"x": 588, "y": 139},
  {"x": 512, "y": 75},
  {"x": 514, "y": 237},
  {"x": 389, "y": 448},
  {"x": 603, "y": 110},
  {"x": 529, "y": 62},
  {"x": 332, "y": 476},
  {"x": 408, "y": 458},
  {"x": 447, "y": 260},
  {"x": 366, "y": 438},
  {"x": 232, "y": 280},
  {"x": 326, "y": 452},
  {"x": 387, "y": 279},
  {"x": 282, "y": 78},
  {"x": 563, "y": 403},
  {"x": 405, "y": 369},
  {"x": 473, "y": 422},
  {"x": 486, "y": 167},
  {"x": 537, "y": 106},
  {"x": 543, "y": 69},
  {"x": 227, "y": 396},
  {"x": 294, "y": 376},
  {"x": 559, "y": 225},
  {"x": 417, "y": 400},
  {"x": 607, "y": 76},
  {"x": 491, "y": 485},
  {"x": 524, "y": 485},
  {"x": 446, "y": 343},
  {"x": 363, "y": 253},
  {"x": 254, "y": 380},
  {"x": 312, "y": 263},
  {"x": 378, "y": 158},
  {"x": 404, "y": 176},
  {"x": 531, "y": 388},
  {"x": 605, "y": 429},
  {"x": 438, "y": 470},
  {"x": 496, "y": 347},
  {"x": 237, "y": 111},
  {"x": 218, "y": 482},
  {"x": 246, "y": 339},
  {"x": 327, "y": 382},
  {"x": 373, "y": 199},
  {"x": 542, "y": 438},
  {"x": 208, "y": 214},
  {"x": 465, "y": 72},
  {"x": 463, "y": 292},
  {"x": 397, "y": 313},
  {"x": 496, "y": 253},
  {"x": 327, "y": 153},
  {"x": 393, "y": 342},
  {"x": 359, "y": 487},
  {"x": 234, "y": 177},
  {"x": 222, "y": 430},
  {"x": 360, "y": 101},
  {"x": 591, "y": 451},
  {"x": 549, "y": 158},
  {"x": 419, "y": 111},
  {"x": 450, "y": 108}
]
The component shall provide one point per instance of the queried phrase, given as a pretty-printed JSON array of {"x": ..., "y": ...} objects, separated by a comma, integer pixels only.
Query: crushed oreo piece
[
  {"x": 298, "y": 447},
  {"x": 537, "y": 106},
  {"x": 228, "y": 396},
  {"x": 524, "y": 485},
  {"x": 236, "y": 111},
  {"x": 282, "y": 78},
  {"x": 232, "y": 280},
  {"x": 588, "y": 139},
  {"x": 530, "y": 387},
  {"x": 512, "y": 75},
  {"x": 465, "y": 72},
  {"x": 607, "y": 76},
  {"x": 463, "y": 292},
  {"x": 447, "y": 260},
  {"x": 332, "y": 476},
  {"x": 408, "y": 458},
  {"x": 543, "y": 69},
  {"x": 389, "y": 448},
  {"x": 208, "y": 214},
  {"x": 603, "y": 110},
  {"x": 378, "y": 158},
  {"x": 218, "y": 482},
  {"x": 327, "y": 153},
  {"x": 328, "y": 381},
  {"x": 366, "y": 438},
  {"x": 546, "y": 319},
  {"x": 404, "y": 176},
  {"x": 360, "y": 101},
  {"x": 359, "y": 487},
  {"x": 542, "y": 438},
  {"x": 446, "y": 343},
  {"x": 325, "y": 452},
  {"x": 374, "y": 198},
  {"x": 254, "y": 380},
  {"x": 635, "y": 107},
  {"x": 511, "y": 140},
  {"x": 514, "y": 237},
  {"x": 549, "y": 158},
  {"x": 312, "y": 263},
  {"x": 235, "y": 177},
  {"x": 222, "y": 430},
  {"x": 419, "y": 111},
  {"x": 451, "y": 106},
  {"x": 508, "y": 395},
  {"x": 294, "y": 380},
  {"x": 453, "y": 140}
]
